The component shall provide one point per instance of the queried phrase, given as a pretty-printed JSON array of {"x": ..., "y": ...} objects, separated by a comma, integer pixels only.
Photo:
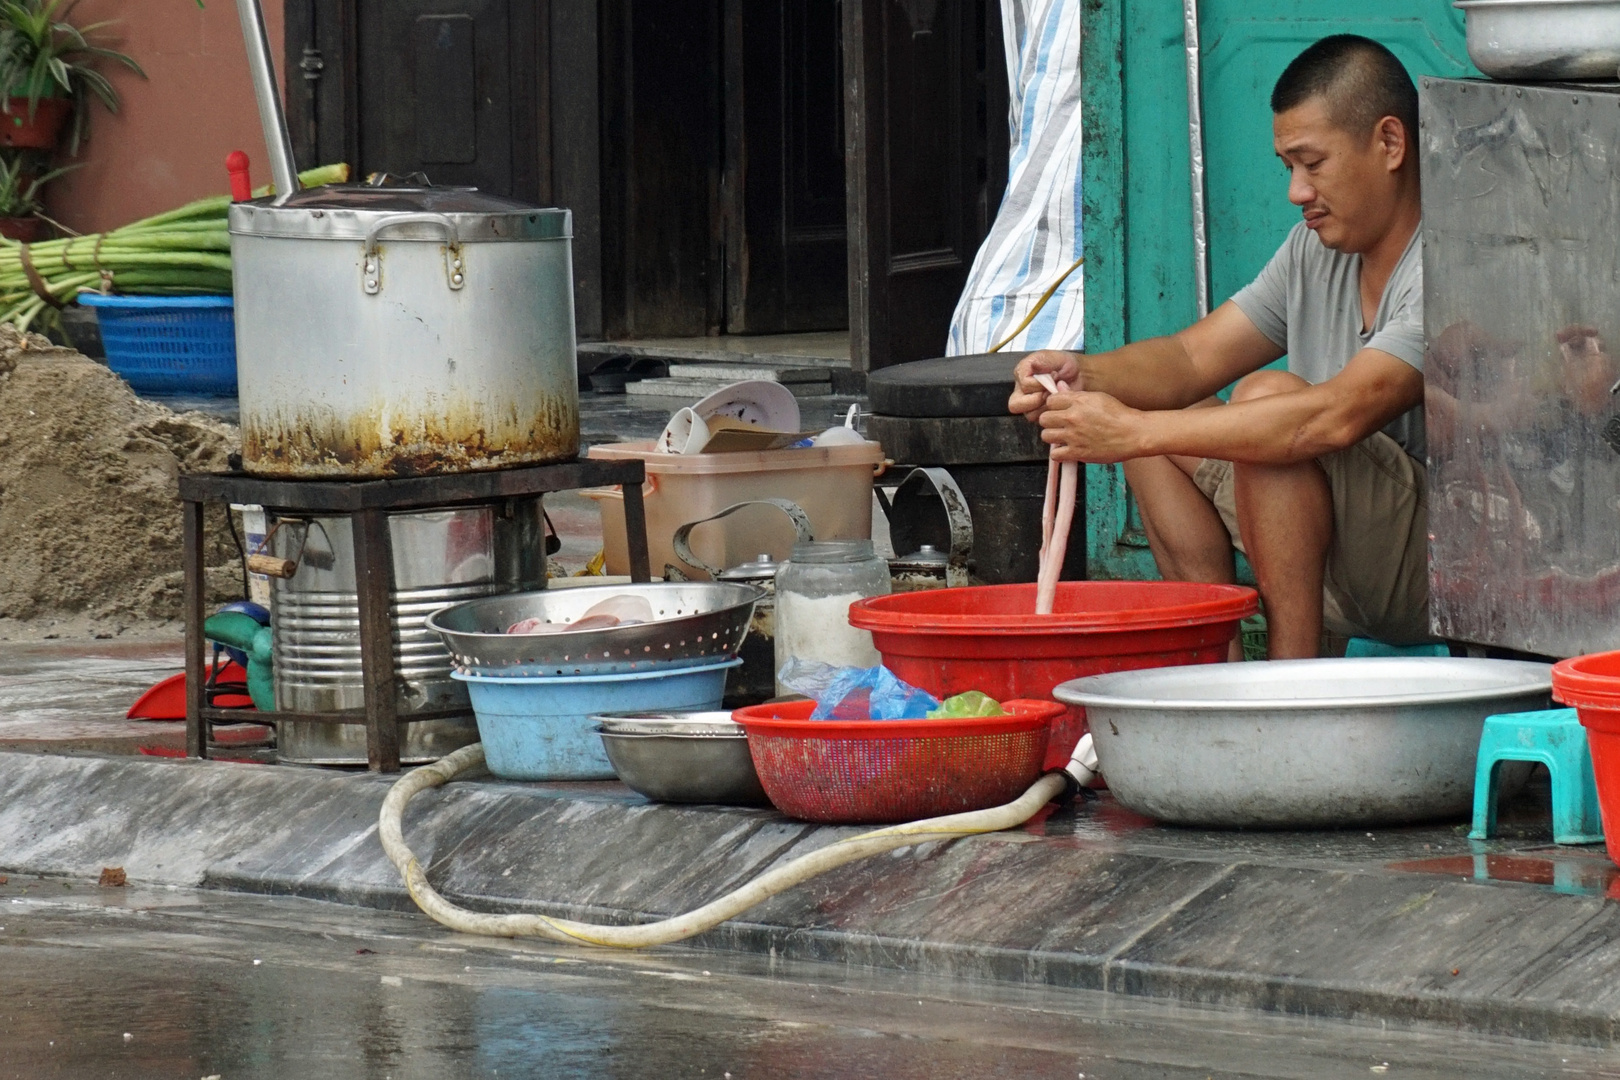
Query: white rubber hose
[{"x": 709, "y": 915}]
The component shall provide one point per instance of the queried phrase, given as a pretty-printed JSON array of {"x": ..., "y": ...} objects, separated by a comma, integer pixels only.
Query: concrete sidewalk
[{"x": 1512, "y": 937}]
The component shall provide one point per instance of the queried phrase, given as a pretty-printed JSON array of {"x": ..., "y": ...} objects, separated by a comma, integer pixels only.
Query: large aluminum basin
[{"x": 1302, "y": 743}]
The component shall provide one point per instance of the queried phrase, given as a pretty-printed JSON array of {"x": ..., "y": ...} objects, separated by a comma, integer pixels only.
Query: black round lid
[{"x": 949, "y": 386}]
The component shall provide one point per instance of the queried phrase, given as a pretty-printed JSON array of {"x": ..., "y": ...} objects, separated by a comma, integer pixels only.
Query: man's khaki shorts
[{"x": 1377, "y": 581}]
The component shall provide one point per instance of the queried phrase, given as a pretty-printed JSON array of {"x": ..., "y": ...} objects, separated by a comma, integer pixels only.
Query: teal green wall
[{"x": 1136, "y": 191}]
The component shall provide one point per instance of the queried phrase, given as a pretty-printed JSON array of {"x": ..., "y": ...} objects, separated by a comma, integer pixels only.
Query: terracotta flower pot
[
  {"x": 28, "y": 230},
  {"x": 40, "y": 133}
]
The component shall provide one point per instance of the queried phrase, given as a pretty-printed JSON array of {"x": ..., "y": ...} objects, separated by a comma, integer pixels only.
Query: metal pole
[
  {"x": 197, "y": 728},
  {"x": 1195, "y": 140},
  {"x": 271, "y": 116}
]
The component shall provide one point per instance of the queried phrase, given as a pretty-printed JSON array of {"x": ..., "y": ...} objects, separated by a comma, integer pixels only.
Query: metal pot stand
[{"x": 367, "y": 504}]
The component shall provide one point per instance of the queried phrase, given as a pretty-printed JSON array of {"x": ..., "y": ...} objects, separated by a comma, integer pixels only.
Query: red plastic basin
[
  {"x": 1592, "y": 685},
  {"x": 948, "y": 641}
]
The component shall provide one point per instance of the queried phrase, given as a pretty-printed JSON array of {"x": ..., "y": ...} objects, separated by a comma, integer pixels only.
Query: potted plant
[
  {"x": 48, "y": 72},
  {"x": 19, "y": 196}
]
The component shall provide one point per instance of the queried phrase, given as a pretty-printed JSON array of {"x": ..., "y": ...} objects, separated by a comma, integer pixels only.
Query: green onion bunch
[{"x": 181, "y": 252}]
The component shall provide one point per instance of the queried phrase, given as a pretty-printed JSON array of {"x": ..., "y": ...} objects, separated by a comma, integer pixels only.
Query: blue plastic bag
[{"x": 851, "y": 693}]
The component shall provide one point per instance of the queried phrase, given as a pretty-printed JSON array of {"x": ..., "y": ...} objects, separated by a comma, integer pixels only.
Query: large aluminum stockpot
[
  {"x": 397, "y": 331},
  {"x": 1303, "y": 743}
]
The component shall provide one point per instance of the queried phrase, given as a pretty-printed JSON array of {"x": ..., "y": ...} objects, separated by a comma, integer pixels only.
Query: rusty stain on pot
[{"x": 385, "y": 441}]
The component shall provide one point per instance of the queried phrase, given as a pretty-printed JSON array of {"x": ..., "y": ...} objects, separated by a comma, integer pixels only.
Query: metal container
[
  {"x": 1303, "y": 743},
  {"x": 402, "y": 331},
  {"x": 1544, "y": 39},
  {"x": 698, "y": 622},
  {"x": 755, "y": 680},
  {"x": 440, "y": 557},
  {"x": 952, "y": 412},
  {"x": 1521, "y": 252},
  {"x": 922, "y": 569},
  {"x": 691, "y": 757}
]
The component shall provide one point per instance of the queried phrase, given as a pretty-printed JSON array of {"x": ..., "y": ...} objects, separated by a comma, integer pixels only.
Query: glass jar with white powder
[{"x": 813, "y": 592}]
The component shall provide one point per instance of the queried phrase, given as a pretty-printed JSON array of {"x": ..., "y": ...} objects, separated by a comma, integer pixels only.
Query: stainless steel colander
[{"x": 697, "y": 622}]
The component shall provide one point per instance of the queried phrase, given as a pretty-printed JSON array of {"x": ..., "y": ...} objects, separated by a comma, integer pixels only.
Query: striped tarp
[{"x": 1036, "y": 235}]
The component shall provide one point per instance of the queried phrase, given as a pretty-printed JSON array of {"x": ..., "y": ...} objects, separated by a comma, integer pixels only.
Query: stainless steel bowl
[
  {"x": 690, "y": 757},
  {"x": 698, "y": 622},
  {"x": 1302, "y": 743},
  {"x": 1544, "y": 39}
]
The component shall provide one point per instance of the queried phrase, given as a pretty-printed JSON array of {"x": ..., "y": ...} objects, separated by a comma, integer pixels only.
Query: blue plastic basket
[
  {"x": 169, "y": 344},
  {"x": 540, "y": 728}
]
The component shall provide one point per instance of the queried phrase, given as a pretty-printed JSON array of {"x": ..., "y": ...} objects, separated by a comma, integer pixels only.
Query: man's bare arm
[
  {"x": 1282, "y": 429},
  {"x": 1159, "y": 373}
]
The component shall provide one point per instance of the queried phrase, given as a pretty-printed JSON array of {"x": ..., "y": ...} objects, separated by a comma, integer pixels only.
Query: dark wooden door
[
  {"x": 447, "y": 88},
  {"x": 319, "y": 40},
  {"x": 926, "y": 133},
  {"x": 783, "y": 182},
  {"x": 660, "y": 167}
]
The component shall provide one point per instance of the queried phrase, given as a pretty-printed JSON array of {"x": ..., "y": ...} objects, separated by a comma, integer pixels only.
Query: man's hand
[
  {"x": 1091, "y": 427},
  {"x": 1028, "y": 396},
  {"x": 1587, "y": 370}
]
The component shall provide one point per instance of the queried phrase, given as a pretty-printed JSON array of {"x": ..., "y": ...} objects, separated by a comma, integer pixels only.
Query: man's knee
[
  {"x": 1261, "y": 384},
  {"x": 1154, "y": 474},
  {"x": 1146, "y": 479}
]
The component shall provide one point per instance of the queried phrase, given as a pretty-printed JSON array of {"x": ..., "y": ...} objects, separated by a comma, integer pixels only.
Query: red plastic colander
[{"x": 856, "y": 772}]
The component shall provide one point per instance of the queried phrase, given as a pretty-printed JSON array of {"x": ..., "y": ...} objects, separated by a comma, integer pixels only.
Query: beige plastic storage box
[{"x": 833, "y": 484}]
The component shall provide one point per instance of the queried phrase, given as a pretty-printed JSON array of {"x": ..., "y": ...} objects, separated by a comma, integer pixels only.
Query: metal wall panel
[{"x": 1521, "y": 266}]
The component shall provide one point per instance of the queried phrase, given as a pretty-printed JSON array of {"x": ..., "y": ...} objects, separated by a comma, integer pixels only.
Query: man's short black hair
[{"x": 1360, "y": 81}]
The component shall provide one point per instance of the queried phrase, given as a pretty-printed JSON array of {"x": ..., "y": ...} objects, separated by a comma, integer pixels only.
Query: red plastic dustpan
[{"x": 167, "y": 700}]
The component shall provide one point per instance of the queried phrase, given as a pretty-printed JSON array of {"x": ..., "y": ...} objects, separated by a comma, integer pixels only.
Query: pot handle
[
  {"x": 455, "y": 271},
  {"x": 959, "y": 517},
  {"x": 681, "y": 541}
]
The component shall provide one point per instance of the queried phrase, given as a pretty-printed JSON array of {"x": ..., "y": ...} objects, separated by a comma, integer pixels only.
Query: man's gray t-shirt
[{"x": 1308, "y": 301}]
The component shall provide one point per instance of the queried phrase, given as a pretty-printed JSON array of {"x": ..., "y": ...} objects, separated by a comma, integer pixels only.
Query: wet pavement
[
  {"x": 1515, "y": 936},
  {"x": 165, "y": 983},
  {"x": 73, "y": 696}
]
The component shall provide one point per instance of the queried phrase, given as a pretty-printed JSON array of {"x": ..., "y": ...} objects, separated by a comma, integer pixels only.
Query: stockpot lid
[
  {"x": 927, "y": 559},
  {"x": 760, "y": 568},
  {"x": 352, "y": 211}
]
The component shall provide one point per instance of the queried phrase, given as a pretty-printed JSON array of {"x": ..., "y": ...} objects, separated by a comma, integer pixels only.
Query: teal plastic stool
[
  {"x": 1556, "y": 739},
  {"x": 1361, "y": 648}
]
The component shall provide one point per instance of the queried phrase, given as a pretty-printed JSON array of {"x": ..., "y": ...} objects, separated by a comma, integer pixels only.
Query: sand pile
[{"x": 89, "y": 508}]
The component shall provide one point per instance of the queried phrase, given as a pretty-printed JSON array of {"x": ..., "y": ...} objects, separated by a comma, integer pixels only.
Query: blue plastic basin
[{"x": 540, "y": 728}]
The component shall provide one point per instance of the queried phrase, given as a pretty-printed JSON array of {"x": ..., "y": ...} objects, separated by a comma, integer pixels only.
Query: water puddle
[{"x": 1574, "y": 873}]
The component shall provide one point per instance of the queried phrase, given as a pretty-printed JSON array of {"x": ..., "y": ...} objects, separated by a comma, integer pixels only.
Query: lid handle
[
  {"x": 683, "y": 548},
  {"x": 455, "y": 270}
]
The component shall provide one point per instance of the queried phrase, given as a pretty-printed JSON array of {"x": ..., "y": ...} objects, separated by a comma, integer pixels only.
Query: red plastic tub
[
  {"x": 988, "y": 638},
  {"x": 1592, "y": 685},
  {"x": 852, "y": 772}
]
